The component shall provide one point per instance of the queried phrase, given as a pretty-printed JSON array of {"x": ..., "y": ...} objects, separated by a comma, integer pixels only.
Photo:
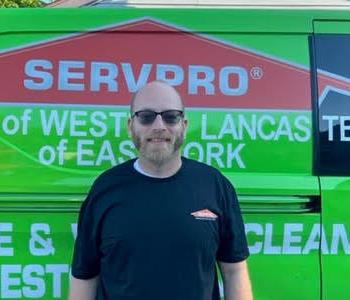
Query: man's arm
[
  {"x": 83, "y": 289},
  {"x": 236, "y": 281}
]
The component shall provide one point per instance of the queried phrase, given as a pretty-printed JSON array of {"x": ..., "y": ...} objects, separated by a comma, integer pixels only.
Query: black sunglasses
[{"x": 169, "y": 117}]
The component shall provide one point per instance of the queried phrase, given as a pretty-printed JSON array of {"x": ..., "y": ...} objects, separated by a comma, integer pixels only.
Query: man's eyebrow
[
  {"x": 159, "y": 110},
  {"x": 145, "y": 108}
]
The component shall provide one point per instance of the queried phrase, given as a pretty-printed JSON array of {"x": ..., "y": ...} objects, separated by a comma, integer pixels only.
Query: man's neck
[{"x": 162, "y": 170}]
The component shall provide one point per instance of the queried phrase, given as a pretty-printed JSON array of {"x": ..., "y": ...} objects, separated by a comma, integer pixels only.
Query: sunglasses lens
[
  {"x": 146, "y": 117},
  {"x": 171, "y": 117}
]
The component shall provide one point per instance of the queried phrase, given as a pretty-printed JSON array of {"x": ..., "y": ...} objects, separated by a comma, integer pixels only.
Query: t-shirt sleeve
[
  {"x": 233, "y": 243},
  {"x": 86, "y": 258}
]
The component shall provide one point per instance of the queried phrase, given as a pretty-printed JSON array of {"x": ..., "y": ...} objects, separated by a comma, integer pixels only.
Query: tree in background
[{"x": 20, "y": 3}]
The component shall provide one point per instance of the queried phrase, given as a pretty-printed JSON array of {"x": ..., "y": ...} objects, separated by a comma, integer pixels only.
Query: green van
[{"x": 268, "y": 97}]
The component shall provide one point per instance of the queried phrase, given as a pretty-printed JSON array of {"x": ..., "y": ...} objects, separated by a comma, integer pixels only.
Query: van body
[{"x": 267, "y": 93}]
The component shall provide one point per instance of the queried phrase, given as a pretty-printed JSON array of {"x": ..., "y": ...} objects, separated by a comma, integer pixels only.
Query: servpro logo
[
  {"x": 88, "y": 79},
  {"x": 104, "y": 67},
  {"x": 244, "y": 106},
  {"x": 77, "y": 75}
]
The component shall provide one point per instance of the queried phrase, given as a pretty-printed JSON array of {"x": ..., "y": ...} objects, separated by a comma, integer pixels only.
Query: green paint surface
[{"x": 273, "y": 166}]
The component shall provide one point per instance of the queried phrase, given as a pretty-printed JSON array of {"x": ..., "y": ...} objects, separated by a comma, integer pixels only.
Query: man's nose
[{"x": 158, "y": 123}]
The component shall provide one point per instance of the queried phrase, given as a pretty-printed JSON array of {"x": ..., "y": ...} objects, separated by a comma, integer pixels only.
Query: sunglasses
[{"x": 169, "y": 117}]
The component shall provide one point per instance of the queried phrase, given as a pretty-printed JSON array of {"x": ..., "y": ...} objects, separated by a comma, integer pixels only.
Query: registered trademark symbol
[{"x": 256, "y": 73}]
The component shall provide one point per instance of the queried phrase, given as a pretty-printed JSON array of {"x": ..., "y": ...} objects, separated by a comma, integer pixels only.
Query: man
[{"x": 153, "y": 228}]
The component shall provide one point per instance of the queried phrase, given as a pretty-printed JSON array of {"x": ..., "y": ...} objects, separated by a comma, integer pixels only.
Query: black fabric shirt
[{"x": 137, "y": 233}]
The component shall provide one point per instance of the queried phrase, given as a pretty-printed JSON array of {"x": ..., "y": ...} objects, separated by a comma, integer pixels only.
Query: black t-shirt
[{"x": 158, "y": 238}]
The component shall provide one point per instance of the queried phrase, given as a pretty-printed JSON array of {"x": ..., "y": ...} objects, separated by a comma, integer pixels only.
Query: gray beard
[{"x": 160, "y": 157}]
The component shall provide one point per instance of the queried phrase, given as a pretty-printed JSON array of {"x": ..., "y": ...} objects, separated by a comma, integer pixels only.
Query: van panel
[
  {"x": 242, "y": 121},
  {"x": 284, "y": 262},
  {"x": 67, "y": 79},
  {"x": 35, "y": 247},
  {"x": 335, "y": 247},
  {"x": 331, "y": 51}
]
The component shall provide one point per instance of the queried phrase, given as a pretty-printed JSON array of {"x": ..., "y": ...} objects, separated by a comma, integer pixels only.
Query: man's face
[{"x": 157, "y": 142}]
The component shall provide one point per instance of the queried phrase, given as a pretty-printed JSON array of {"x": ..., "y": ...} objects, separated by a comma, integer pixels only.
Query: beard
[{"x": 158, "y": 154}]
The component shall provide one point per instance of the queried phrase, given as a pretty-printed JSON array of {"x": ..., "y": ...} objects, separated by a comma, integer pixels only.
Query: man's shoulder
[
  {"x": 202, "y": 170},
  {"x": 113, "y": 176},
  {"x": 197, "y": 168},
  {"x": 121, "y": 170}
]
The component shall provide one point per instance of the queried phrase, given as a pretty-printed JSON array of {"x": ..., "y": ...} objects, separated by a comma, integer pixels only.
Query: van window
[{"x": 331, "y": 53}]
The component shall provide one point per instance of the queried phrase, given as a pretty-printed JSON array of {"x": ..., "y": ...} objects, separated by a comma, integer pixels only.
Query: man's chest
[{"x": 172, "y": 222}]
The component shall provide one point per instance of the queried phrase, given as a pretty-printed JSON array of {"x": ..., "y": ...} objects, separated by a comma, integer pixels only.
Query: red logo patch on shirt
[{"x": 204, "y": 214}]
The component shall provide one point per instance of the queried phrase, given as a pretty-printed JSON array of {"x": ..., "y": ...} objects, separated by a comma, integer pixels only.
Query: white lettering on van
[
  {"x": 242, "y": 86},
  {"x": 340, "y": 237},
  {"x": 80, "y": 76},
  {"x": 71, "y": 75},
  {"x": 80, "y": 123},
  {"x": 257, "y": 229},
  {"x": 269, "y": 247},
  {"x": 88, "y": 154},
  {"x": 201, "y": 76},
  {"x": 330, "y": 120},
  {"x": 224, "y": 156},
  {"x": 132, "y": 83},
  {"x": 13, "y": 124},
  {"x": 228, "y": 127},
  {"x": 57, "y": 271},
  {"x": 40, "y": 243},
  {"x": 40, "y": 77},
  {"x": 6, "y": 239},
  {"x": 34, "y": 284},
  {"x": 344, "y": 127},
  {"x": 297, "y": 238},
  {"x": 316, "y": 240},
  {"x": 292, "y": 238},
  {"x": 176, "y": 71},
  {"x": 267, "y": 127},
  {"x": 284, "y": 129},
  {"x": 302, "y": 125},
  {"x": 10, "y": 284},
  {"x": 103, "y": 73},
  {"x": 32, "y": 281}
]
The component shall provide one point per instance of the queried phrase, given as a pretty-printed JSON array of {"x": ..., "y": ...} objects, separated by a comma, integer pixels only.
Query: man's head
[{"x": 157, "y": 137}]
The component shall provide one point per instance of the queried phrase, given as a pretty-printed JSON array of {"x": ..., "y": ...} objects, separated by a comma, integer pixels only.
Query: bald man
[{"x": 153, "y": 228}]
